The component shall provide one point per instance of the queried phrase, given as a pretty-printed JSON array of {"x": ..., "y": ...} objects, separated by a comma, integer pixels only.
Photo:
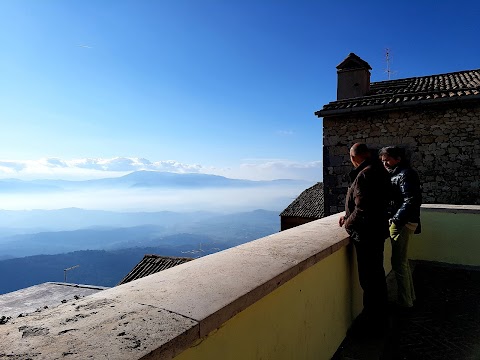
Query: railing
[{"x": 291, "y": 295}]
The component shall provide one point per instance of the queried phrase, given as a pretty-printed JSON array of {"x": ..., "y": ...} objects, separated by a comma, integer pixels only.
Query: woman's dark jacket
[
  {"x": 366, "y": 204},
  {"x": 406, "y": 196}
]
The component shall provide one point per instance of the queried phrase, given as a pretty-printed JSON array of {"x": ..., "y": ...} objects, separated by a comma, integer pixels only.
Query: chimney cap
[{"x": 353, "y": 61}]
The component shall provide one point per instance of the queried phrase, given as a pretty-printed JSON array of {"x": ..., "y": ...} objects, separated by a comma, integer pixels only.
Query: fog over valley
[
  {"x": 229, "y": 200},
  {"x": 49, "y": 225},
  {"x": 151, "y": 191}
]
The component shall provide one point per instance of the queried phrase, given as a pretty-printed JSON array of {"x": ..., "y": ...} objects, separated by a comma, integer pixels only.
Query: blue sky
[{"x": 214, "y": 86}]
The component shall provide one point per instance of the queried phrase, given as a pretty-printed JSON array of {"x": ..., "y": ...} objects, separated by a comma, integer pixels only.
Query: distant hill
[
  {"x": 139, "y": 179},
  {"x": 111, "y": 230},
  {"x": 138, "y": 191},
  {"x": 97, "y": 267},
  {"x": 18, "y": 221},
  {"x": 106, "y": 254},
  {"x": 67, "y": 241}
]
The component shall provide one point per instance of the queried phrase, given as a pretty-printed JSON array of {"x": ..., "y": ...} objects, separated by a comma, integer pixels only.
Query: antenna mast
[
  {"x": 65, "y": 272},
  {"x": 387, "y": 59}
]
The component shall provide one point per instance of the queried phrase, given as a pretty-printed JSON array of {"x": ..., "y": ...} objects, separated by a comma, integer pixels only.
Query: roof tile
[
  {"x": 456, "y": 85},
  {"x": 151, "y": 264},
  {"x": 309, "y": 204}
]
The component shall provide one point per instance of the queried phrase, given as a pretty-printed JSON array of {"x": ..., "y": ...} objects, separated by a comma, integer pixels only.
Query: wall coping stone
[
  {"x": 163, "y": 314},
  {"x": 470, "y": 209}
]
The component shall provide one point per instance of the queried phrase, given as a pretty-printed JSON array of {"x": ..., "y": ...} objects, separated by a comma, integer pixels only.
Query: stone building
[
  {"x": 436, "y": 118},
  {"x": 308, "y": 206}
]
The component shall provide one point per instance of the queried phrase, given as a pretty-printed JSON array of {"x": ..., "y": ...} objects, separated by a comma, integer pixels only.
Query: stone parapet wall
[
  {"x": 289, "y": 287},
  {"x": 443, "y": 143}
]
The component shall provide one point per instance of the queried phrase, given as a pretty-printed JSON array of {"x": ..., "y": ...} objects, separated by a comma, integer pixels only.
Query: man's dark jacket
[
  {"x": 366, "y": 204},
  {"x": 406, "y": 198}
]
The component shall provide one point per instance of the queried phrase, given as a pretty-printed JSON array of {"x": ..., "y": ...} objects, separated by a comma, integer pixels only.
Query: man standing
[
  {"x": 366, "y": 221},
  {"x": 404, "y": 218}
]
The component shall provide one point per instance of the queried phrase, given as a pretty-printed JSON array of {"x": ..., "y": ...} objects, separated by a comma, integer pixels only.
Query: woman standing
[{"x": 404, "y": 218}]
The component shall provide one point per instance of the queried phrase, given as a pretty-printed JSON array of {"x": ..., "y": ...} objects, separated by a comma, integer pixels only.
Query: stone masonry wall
[{"x": 443, "y": 144}]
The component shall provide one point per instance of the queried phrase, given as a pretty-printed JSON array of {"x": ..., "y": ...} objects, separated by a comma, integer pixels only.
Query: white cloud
[
  {"x": 133, "y": 164},
  {"x": 87, "y": 168},
  {"x": 91, "y": 168}
]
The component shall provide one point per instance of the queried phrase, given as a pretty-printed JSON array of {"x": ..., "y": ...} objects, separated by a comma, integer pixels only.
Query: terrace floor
[{"x": 443, "y": 324}]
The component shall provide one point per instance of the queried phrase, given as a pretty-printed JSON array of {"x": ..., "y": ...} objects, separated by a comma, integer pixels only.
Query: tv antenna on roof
[
  {"x": 65, "y": 272},
  {"x": 388, "y": 58}
]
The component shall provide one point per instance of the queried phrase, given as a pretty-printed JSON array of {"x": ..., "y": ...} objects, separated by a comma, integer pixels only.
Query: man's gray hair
[{"x": 360, "y": 149}]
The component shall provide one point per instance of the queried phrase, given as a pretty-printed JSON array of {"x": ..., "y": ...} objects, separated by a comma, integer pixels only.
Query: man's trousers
[
  {"x": 372, "y": 274},
  {"x": 400, "y": 238}
]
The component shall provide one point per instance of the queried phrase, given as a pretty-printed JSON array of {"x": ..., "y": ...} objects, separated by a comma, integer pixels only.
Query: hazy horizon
[
  {"x": 138, "y": 200},
  {"x": 160, "y": 194}
]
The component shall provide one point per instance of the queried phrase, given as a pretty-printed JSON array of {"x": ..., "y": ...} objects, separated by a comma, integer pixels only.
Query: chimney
[{"x": 353, "y": 77}]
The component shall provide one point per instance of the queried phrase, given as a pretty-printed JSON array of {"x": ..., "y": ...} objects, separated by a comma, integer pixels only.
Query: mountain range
[
  {"x": 36, "y": 245},
  {"x": 140, "y": 179},
  {"x": 66, "y": 230},
  {"x": 106, "y": 253}
]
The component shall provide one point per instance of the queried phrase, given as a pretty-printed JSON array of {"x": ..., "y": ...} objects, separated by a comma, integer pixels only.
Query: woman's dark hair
[{"x": 393, "y": 151}]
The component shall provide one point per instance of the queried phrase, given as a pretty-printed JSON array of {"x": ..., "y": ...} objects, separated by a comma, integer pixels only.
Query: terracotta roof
[
  {"x": 432, "y": 89},
  {"x": 309, "y": 204},
  {"x": 151, "y": 264}
]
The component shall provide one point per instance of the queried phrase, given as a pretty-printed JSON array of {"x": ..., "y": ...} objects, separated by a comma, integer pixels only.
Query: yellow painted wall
[
  {"x": 448, "y": 237},
  {"x": 306, "y": 318}
]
